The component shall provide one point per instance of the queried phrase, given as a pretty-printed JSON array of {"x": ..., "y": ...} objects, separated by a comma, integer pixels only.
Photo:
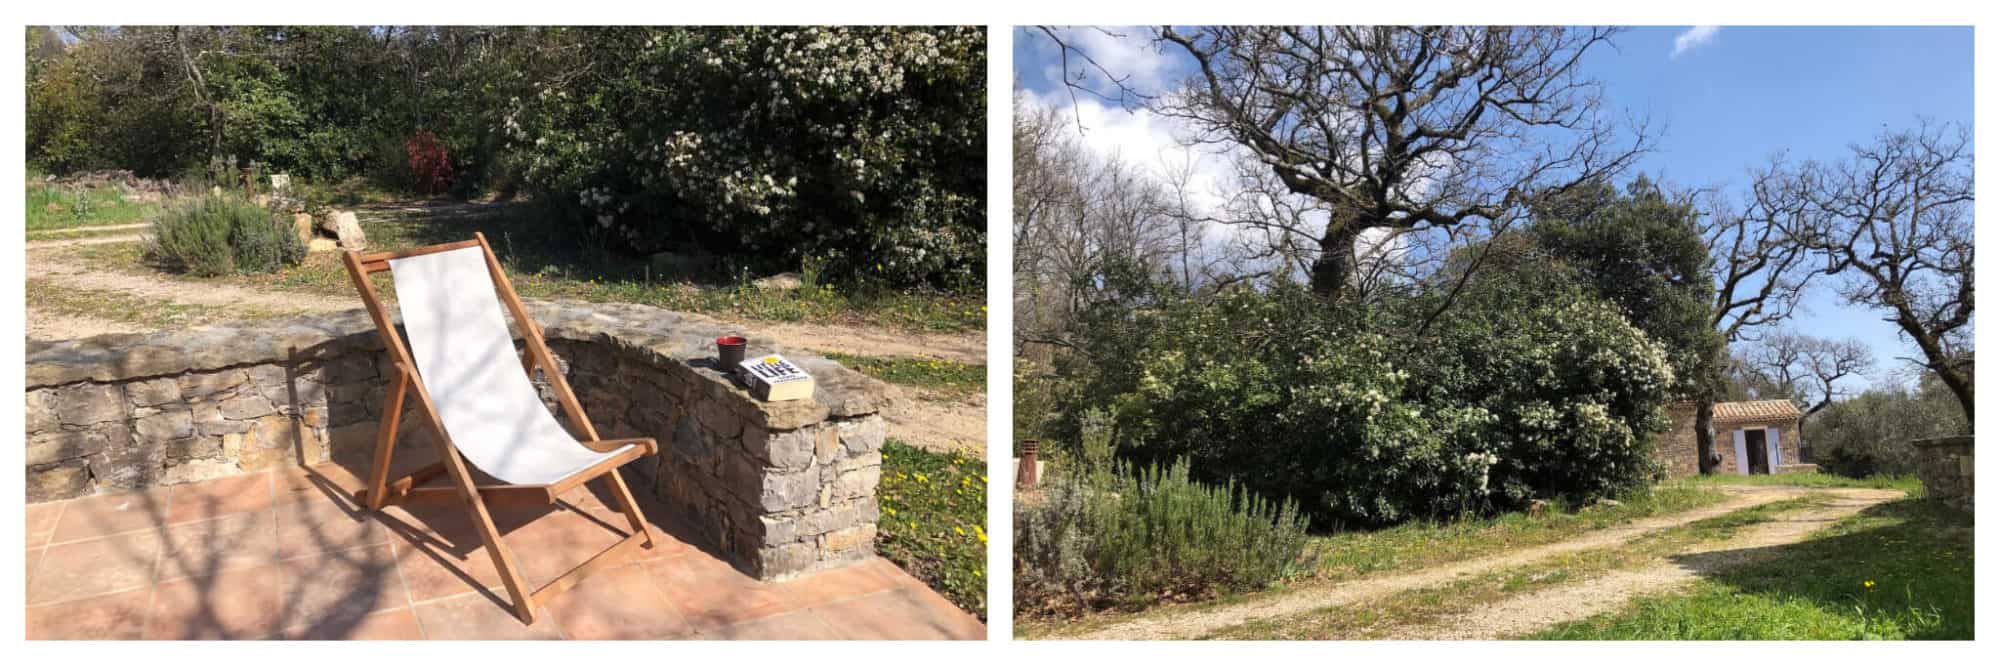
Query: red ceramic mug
[{"x": 729, "y": 352}]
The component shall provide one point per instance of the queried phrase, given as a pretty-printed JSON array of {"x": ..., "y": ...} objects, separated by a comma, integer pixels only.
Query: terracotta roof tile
[{"x": 1756, "y": 411}]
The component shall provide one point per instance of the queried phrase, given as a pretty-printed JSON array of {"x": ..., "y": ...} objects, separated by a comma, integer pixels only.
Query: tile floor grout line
[{"x": 409, "y": 598}]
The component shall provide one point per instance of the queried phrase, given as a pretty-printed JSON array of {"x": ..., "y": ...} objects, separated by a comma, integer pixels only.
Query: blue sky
[{"x": 1727, "y": 99}]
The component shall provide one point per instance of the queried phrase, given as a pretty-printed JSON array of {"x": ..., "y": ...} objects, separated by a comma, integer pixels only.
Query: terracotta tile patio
[{"x": 286, "y": 555}]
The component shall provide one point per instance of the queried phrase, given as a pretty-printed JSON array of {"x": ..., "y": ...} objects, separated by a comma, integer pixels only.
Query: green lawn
[
  {"x": 1901, "y": 570},
  {"x": 933, "y": 521},
  {"x": 546, "y": 263},
  {"x": 59, "y": 207},
  {"x": 1417, "y": 608},
  {"x": 950, "y": 378},
  {"x": 1345, "y": 555},
  {"x": 1907, "y": 482}
]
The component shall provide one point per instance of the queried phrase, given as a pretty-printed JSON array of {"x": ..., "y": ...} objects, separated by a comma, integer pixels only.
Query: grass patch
[
  {"x": 933, "y": 521},
  {"x": 1347, "y": 555},
  {"x": 1897, "y": 571},
  {"x": 77, "y": 233},
  {"x": 1385, "y": 616},
  {"x": 547, "y": 263},
  {"x": 938, "y": 376},
  {"x": 118, "y": 306},
  {"x": 1344, "y": 556},
  {"x": 1907, "y": 482},
  {"x": 63, "y": 207}
]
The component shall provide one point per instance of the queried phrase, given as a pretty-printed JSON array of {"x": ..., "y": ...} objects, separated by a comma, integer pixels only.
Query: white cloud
[{"x": 1694, "y": 38}]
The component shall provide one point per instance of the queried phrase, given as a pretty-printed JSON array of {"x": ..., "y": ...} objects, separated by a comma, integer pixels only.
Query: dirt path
[
  {"x": 957, "y": 425},
  {"x": 1528, "y": 613},
  {"x": 91, "y": 240},
  {"x": 1201, "y": 622}
]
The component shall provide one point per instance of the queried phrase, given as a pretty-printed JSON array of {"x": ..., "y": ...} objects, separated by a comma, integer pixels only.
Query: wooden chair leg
[
  {"x": 623, "y": 497},
  {"x": 385, "y": 441},
  {"x": 503, "y": 559}
]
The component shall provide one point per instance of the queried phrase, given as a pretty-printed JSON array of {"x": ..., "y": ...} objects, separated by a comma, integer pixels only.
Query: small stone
[{"x": 779, "y": 282}]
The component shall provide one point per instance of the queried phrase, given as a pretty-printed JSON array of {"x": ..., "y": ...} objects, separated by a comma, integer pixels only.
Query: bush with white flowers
[{"x": 862, "y": 145}]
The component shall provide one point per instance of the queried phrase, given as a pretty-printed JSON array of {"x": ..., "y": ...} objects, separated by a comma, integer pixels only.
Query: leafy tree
[{"x": 1644, "y": 252}]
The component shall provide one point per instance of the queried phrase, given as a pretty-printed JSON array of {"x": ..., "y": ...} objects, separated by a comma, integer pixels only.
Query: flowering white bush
[{"x": 862, "y": 145}]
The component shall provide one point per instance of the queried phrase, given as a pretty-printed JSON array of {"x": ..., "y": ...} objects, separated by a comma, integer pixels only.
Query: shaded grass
[
  {"x": 547, "y": 263},
  {"x": 1896, "y": 571},
  {"x": 63, "y": 207},
  {"x": 933, "y": 521},
  {"x": 1907, "y": 482},
  {"x": 1384, "y": 616},
  {"x": 938, "y": 376}
]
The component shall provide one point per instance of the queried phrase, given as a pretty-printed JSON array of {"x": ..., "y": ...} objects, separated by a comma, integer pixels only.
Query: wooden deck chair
[{"x": 479, "y": 405}]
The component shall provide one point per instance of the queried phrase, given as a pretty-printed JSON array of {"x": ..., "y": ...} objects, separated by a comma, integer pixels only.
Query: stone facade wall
[
  {"x": 778, "y": 488},
  {"x": 1677, "y": 448},
  {"x": 1945, "y": 465}
]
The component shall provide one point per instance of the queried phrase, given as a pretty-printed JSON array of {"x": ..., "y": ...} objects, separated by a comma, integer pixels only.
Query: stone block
[
  {"x": 59, "y": 445},
  {"x": 853, "y": 538},
  {"x": 161, "y": 427},
  {"x": 41, "y": 414},
  {"x": 201, "y": 385},
  {"x": 861, "y": 436},
  {"x": 784, "y": 449},
  {"x": 48, "y": 483},
  {"x": 781, "y": 491},
  {"x": 154, "y": 392},
  {"x": 90, "y": 404},
  {"x": 780, "y": 561},
  {"x": 857, "y": 483},
  {"x": 247, "y": 405}
]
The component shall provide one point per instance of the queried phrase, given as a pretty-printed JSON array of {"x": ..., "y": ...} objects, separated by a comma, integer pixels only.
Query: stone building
[{"x": 1752, "y": 437}]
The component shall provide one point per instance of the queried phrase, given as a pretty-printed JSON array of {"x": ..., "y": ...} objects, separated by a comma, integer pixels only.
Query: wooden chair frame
[{"x": 382, "y": 491}]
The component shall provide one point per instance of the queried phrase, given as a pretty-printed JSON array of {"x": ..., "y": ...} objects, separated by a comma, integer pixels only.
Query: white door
[
  {"x": 1771, "y": 441},
  {"x": 1742, "y": 453}
]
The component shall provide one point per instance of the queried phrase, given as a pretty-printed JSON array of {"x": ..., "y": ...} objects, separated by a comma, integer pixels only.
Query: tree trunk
[
  {"x": 1961, "y": 388},
  {"x": 1333, "y": 270},
  {"x": 1704, "y": 434}
]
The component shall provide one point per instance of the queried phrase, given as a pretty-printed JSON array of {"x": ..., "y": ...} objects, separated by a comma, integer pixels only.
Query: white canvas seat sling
[{"x": 479, "y": 406}]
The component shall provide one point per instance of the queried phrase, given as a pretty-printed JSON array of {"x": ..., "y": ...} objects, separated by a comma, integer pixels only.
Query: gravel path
[
  {"x": 1196, "y": 623},
  {"x": 1525, "y": 614}
]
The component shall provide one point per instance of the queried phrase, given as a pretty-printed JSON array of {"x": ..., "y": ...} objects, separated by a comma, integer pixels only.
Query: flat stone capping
[
  {"x": 779, "y": 488},
  {"x": 1944, "y": 464}
]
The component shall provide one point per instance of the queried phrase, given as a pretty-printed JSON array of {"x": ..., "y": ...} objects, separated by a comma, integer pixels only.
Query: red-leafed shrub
[{"x": 430, "y": 163}]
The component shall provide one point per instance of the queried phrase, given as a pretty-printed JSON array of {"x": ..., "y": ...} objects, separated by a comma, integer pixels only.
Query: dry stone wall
[
  {"x": 779, "y": 488},
  {"x": 1944, "y": 464}
]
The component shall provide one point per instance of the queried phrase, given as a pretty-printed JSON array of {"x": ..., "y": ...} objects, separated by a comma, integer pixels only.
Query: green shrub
[
  {"x": 1524, "y": 390},
  {"x": 1869, "y": 434},
  {"x": 219, "y": 235},
  {"x": 1110, "y": 536}
]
